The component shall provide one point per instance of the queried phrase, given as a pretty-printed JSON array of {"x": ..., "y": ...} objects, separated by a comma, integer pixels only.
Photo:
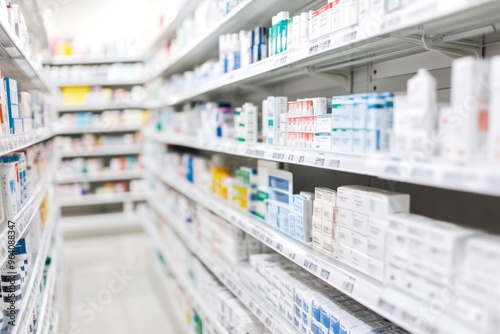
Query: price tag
[
  {"x": 334, "y": 163},
  {"x": 258, "y": 312},
  {"x": 259, "y": 153},
  {"x": 250, "y": 151},
  {"x": 269, "y": 241},
  {"x": 348, "y": 284},
  {"x": 302, "y": 158},
  {"x": 268, "y": 322},
  {"x": 278, "y": 156},
  {"x": 279, "y": 247},
  {"x": 290, "y": 157},
  {"x": 255, "y": 232},
  {"x": 350, "y": 37},
  {"x": 320, "y": 46},
  {"x": 311, "y": 265},
  {"x": 422, "y": 173},
  {"x": 325, "y": 273},
  {"x": 281, "y": 61},
  {"x": 319, "y": 162}
]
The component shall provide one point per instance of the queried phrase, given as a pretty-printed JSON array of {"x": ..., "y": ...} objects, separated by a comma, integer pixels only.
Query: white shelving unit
[
  {"x": 248, "y": 11},
  {"x": 474, "y": 177},
  {"x": 397, "y": 34},
  {"x": 100, "y": 177},
  {"x": 112, "y": 150},
  {"x": 102, "y": 82},
  {"x": 13, "y": 143},
  {"x": 99, "y": 199},
  {"x": 346, "y": 60},
  {"x": 61, "y": 131},
  {"x": 353, "y": 283},
  {"x": 97, "y": 107}
]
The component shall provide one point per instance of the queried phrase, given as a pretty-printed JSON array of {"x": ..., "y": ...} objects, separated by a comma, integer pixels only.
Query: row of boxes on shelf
[
  {"x": 21, "y": 111},
  {"x": 81, "y": 190},
  {"x": 99, "y": 165},
  {"x": 109, "y": 119},
  {"x": 97, "y": 95},
  {"x": 19, "y": 174},
  {"x": 82, "y": 73},
  {"x": 371, "y": 230},
  {"x": 304, "y": 300},
  {"x": 240, "y": 49},
  {"x": 205, "y": 15},
  {"x": 308, "y": 303},
  {"x": 17, "y": 271},
  {"x": 222, "y": 305},
  {"x": 413, "y": 124},
  {"x": 13, "y": 20},
  {"x": 88, "y": 142}
]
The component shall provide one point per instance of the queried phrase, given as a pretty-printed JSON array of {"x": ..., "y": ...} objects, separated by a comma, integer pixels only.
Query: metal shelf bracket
[{"x": 341, "y": 79}]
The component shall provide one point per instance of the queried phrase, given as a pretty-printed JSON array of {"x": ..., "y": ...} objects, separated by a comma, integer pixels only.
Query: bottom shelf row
[{"x": 265, "y": 294}]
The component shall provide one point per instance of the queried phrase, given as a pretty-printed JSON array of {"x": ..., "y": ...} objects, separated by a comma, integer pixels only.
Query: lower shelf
[{"x": 95, "y": 224}]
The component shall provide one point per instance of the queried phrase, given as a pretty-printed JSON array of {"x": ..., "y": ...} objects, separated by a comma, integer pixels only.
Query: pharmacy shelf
[
  {"x": 13, "y": 143},
  {"x": 33, "y": 287},
  {"x": 111, "y": 150},
  {"x": 100, "y": 199},
  {"x": 99, "y": 177},
  {"x": 32, "y": 11},
  {"x": 192, "y": 295},
  {"x": 273, "y": 321},
  {"x": 90, "y": 60},
  {"x": 61, "y": 131},
  {"x": 248, "y": 15},
  {"x": 15, "y": 63},
  {"x": 19, "y": 224},
  {"x": 433, "y": 172},
  {"x": 184, "y": 9},
  {"x": 97, "y": 107},
  {"x": 101, "y": 82},
  {"x": 393, "y": 36},
  {"x": 357, "y": 285},
  {"x": 99, "y": 223}
]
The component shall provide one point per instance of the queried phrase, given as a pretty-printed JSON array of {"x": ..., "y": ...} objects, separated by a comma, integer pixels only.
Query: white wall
[{"x": 105, "y": 20}]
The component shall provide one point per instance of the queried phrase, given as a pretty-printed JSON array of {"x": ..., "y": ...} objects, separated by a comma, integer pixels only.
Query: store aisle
[{"x": 108, "y": 290}]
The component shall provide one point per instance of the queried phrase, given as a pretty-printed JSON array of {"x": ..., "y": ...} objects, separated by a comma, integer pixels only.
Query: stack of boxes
[
  {"x": 480, "y": 298},
  {"x": 423, "y": 255},
  {"x": 324, "y": 222},
  {"x": 244, "y": 189},
  {"x": 363, "y": 213},
  {"x": 308, "y": 303},
  {"x": 263, "y": 167},
  {"x": 300, "y": 216},
  {"x": 272, "y": 108},
  {"x": 280, "y": 185}
]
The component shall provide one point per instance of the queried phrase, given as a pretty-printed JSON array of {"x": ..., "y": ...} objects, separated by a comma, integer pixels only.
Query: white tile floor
[{"x": 98, "y": 299}]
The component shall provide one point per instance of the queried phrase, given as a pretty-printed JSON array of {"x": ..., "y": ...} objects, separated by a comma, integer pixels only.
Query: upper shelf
[
  {"x": 15, "y": 64},
  {"x": 90, "y": 60},
  {"x": 102, "y": 82},
  {"x": 469, "y": 177},
  {"x": 248, "y": 15},
  {"x": 184, "y": 9},
  {"x": 33, "y": 15},
  {"x": 395, "y": 35}
]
